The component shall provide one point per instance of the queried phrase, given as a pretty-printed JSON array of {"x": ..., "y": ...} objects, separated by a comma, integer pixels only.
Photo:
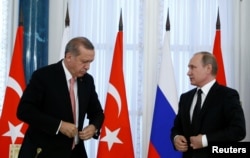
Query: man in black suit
[
  {"x": 54, "y": 129},
  {"x": 220, "y": 119}
]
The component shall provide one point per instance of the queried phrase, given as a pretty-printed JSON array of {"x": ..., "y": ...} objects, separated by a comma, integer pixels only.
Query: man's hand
[
  {"x": 87, "y": 132},
  {"x": 68, "y": 129},
  {"x": 196, "y": 141},
  {"x": 180, "y": 143}
]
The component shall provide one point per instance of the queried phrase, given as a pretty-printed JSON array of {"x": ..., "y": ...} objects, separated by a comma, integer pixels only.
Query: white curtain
[{"x": 241, "y": 55}]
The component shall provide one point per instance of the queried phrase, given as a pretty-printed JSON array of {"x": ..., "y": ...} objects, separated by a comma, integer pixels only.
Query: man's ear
[
  {"x": 209, "y": 68},
  {"x": 68, "y": 56}
]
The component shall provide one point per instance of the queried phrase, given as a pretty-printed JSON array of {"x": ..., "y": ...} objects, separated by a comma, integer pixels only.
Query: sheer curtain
[
  {"x": 241, "y": 55},
  {"x": 98, "y": 21}
]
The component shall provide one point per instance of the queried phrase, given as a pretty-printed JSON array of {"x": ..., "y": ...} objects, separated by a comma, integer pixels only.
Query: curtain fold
[{"x": 241, "y": 55}]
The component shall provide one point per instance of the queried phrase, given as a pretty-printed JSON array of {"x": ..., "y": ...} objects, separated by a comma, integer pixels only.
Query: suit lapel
[
  {"x": 189, "y": 102},
  {"x": 207, "y": 102},
  {"x": 82, "y": 90},
  {"x": 187, "y": 117},
  {"x": 209, "y": 99},
  {"x": 61, "y": 85}
]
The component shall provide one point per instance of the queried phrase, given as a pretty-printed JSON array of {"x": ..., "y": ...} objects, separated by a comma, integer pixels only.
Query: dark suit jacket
[
  {"x": 221, "y": 118},
  {"x": 45, "y": 102}
]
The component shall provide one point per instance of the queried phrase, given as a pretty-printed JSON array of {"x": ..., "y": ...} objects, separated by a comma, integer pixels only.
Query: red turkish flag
[
  {"x": 115, "y": 138},
  {"x": 12, "y": 130},
  {"x": 221, "y": 77}
]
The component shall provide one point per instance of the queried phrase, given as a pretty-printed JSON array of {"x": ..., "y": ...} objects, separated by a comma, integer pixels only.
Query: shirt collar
[
  {"x": 205, "y": 89},
  {"x": 66, "y": 71}
]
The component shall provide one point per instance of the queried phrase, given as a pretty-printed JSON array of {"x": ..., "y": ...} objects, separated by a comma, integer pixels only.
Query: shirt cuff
[
  {"x": 59, "y": 127},
  {"x": 204, "y": 141}
]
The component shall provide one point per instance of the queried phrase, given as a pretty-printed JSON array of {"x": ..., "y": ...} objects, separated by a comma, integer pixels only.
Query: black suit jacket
[
  {"x": 221, "y": 118},
  {"x": 45, "y": 102}
]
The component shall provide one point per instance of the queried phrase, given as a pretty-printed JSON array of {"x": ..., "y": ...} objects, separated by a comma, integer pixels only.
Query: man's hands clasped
[
  {"x": 70, "y": 130},
  {"x": 181, "y": 144}
]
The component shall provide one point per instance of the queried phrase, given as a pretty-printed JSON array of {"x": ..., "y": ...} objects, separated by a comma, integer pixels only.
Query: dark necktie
[{"x": 197, "y": 107}]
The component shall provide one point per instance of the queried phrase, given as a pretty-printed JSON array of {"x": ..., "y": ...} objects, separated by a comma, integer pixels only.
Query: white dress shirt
[{"x": 205, "y": 89}]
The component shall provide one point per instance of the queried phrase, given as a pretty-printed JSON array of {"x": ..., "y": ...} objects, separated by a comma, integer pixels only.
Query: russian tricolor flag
[{"x": 166, "y": 106}]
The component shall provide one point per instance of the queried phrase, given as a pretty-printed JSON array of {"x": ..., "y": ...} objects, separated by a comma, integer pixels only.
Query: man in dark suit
[
  {"x": 55, "y": 130},
  {"x": 220, "y": 119}
]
